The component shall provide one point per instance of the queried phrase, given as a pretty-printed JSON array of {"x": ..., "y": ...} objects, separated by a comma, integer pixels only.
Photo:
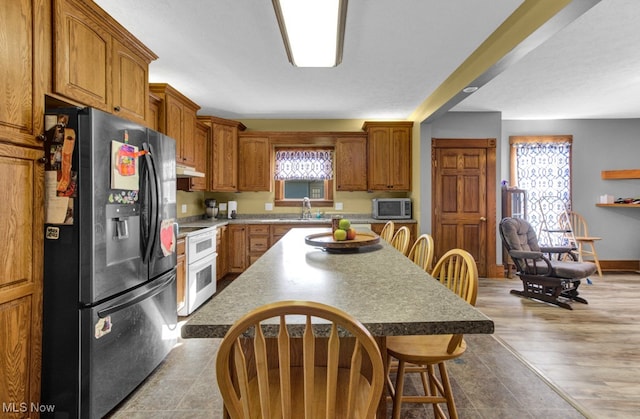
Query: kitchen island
[{"x": 377, "y": 285}]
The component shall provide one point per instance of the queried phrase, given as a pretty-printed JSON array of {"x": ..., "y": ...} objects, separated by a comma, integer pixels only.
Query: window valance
[{"x": 303, "y": 164}]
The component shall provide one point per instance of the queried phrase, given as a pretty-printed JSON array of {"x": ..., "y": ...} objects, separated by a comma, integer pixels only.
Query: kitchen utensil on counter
[
  {"x": 210, "y": 208},
  {"x": 232, "y": 208}
]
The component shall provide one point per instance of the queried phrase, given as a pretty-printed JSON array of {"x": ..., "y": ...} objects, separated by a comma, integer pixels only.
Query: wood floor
[{"x": 591, "y": 353}]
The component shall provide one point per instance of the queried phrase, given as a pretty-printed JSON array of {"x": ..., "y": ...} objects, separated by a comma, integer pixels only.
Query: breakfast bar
[{"x": 376, "y": 284}]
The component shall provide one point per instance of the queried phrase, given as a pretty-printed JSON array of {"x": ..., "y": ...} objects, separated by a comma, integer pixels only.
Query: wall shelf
[
  {"x": 618, "y": 205},
  {"x": 621, "y": 174}
]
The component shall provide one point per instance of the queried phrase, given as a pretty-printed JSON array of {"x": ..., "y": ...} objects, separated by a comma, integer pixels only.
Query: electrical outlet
[
  {"x": 183, "y": 208},
  {"x": 268, "y": 206},
  {"x": 338, "y": 206}
]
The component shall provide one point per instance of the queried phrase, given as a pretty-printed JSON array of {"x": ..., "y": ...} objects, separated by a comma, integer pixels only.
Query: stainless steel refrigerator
[{"x": 109, "y": 273}]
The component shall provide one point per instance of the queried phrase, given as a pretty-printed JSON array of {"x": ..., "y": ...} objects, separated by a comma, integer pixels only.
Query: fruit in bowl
[
  {"x": 340, "y": 234},
  {"x": 351, "y": 233},
  {"x": 344, "y": 224}
]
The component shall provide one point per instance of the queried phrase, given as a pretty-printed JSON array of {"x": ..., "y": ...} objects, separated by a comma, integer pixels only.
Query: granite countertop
[{"x": 377, "y": 285}]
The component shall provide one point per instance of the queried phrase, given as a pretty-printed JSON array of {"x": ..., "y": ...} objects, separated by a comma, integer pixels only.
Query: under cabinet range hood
[{"x": 187, "y": 171}]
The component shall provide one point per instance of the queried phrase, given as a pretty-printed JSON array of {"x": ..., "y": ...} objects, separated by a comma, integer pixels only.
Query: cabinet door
[
  {"x": 400, "y": 155},
  {"x": 189, "y": 121},
  {"x": 130, "y": 84},
  {"x": 24, "y": 70},
  {"x": 254, "y": 164},
  {"x": 237, "y": 255},
  {"x": 201, "y": 140},
  {"x": 173, "y": 123},
  {"x": 82, "y": 56},
  {"x": 378, "y": 158},
  {"x": 21, "y": 259},
  {"x": 224, "y": 173},
  {"x": 351, "y": 164}
]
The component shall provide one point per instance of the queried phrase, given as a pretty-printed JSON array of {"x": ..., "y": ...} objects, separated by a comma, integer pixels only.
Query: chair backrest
[
  {"x": 401, "y": 239},
  {"x": 457, "y": 270},
  {"x": 421, "y": 252},
  {"x": 244, "y": 380},
  {"x": 518, "y": 234},
  {"x": 387, "y": 231},
  {"x": 576, "y": 222}
]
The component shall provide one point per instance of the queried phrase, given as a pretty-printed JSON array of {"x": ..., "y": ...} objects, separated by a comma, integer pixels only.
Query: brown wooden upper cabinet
[
  {"x": 223, "y": 154},
  {"x": 201, "y": 147},
  {"x": 177, "y": 119},
  {"x": 25, "y": 54},
  {"x": 389, "y": 155},
  {"x": 97, "y": 62},
  {"x": 351, "y": 163},
  {"x": 255, "y": 164}
]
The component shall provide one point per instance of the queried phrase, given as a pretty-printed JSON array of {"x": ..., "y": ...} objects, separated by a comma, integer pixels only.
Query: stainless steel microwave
[{"x": 391, "y": 208}]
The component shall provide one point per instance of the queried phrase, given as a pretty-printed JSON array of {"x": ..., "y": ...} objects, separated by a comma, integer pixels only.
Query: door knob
[{"x": 483, "y": 218}]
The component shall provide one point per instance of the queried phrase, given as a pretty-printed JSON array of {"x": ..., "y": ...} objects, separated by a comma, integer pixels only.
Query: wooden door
[
  {"x": 254, "y": 164},
  {"x": 224, "y": 173},
  {"x": 174, "y": 111},
  {"x": 25, "y": 70},
  {"x": 463, "y": 193},
  {"x": 82, "y": 56},
  {"x": 237, "y": 255},
  {"x": 351, "y": 163},
  {"x": 400, "y": 155},
  {"x": 21, "y": 260},
  {"x": 378, "y": 158},
  {"x": 130, "y": 84}
]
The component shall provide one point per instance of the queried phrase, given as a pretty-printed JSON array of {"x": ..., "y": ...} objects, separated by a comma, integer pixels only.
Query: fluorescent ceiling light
[{"x": 312, "y": 30}]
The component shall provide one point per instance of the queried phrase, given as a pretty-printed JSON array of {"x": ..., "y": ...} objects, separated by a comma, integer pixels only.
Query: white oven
[{"x": 201, "y": 268}]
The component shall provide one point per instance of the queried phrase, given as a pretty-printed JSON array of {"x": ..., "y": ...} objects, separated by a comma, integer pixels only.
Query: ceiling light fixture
[
  {"x": 470, "y": 89},
  {"x": 312, "y": 30}
]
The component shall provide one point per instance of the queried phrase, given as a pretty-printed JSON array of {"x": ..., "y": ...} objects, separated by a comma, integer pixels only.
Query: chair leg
[
  {"x": 595, "y": 258},
  {"x": 397, "y": 398},
  {"x": 444, "y": 378}
]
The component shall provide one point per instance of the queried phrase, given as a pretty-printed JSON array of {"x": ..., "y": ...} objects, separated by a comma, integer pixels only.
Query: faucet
[{"x": 306, "y": 208}]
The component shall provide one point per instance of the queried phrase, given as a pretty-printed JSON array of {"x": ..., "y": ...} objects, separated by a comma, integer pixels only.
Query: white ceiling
[{"x": 228, "y": 56}]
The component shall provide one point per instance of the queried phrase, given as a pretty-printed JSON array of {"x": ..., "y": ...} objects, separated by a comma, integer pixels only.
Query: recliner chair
[{"x": 545, "y": 272}]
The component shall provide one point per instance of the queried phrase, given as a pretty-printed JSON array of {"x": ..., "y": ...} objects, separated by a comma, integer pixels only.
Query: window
[
  {"x": 541, "y": 165},
  {"x": 303, "y": 172}
]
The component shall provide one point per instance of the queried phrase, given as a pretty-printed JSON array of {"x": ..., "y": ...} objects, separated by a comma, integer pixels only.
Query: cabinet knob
[
  {"x": 483, "y": 218},
  {"x": 42, "y": 160},
  {"x": 116, "y": 108},
  {"x": 41, "y": 138}
]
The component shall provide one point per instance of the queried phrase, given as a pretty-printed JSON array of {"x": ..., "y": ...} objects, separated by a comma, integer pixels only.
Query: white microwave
[{"x": 391, "y": 208}]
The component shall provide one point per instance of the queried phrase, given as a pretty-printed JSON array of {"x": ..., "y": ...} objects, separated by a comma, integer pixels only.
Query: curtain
[
  {"x": 544, "y": 171},
  {"x": 304, "y": 164}
]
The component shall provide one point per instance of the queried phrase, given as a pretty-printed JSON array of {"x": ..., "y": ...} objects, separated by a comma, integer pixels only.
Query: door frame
[{"x": 493, "y": 270}]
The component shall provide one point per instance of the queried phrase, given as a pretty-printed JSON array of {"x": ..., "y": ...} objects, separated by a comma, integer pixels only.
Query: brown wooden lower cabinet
[
  {"x": 21, "y": 261},
  {"x": 237, "y": 255}
]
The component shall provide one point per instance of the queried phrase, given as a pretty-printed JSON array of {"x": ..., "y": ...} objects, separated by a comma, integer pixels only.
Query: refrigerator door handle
[
  {"x": 134, "y": 300},
  {"x": 152, "y": 178}
]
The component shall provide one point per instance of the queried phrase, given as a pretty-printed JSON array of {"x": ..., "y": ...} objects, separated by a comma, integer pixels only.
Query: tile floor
[{"x": 489, "y": 381}]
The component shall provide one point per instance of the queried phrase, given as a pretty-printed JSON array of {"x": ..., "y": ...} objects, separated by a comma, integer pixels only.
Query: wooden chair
[
  {"x": 330, "y": 377},
  {"x": 387, "y": 231},
  {"x": 421, "y": 252},
  {"x": 580, "y": 234},
  {"x": 401, "y": 239},
  {"x": 457, "y": 270}
]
